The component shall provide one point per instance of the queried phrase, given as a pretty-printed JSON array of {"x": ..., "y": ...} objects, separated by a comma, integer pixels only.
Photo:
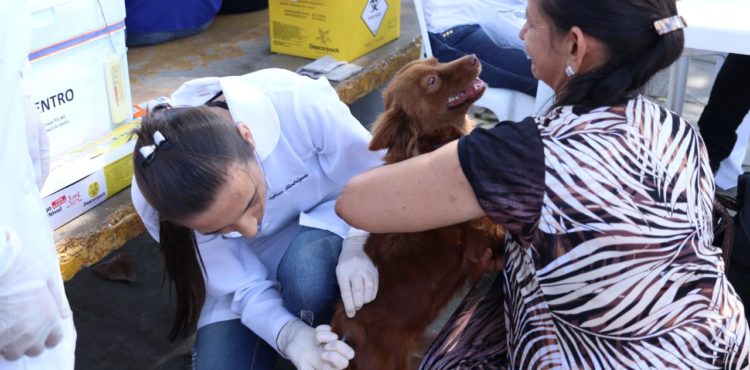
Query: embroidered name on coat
[
  {"x": 295, "y": 182},
  {"x": 288, "y": 186}
]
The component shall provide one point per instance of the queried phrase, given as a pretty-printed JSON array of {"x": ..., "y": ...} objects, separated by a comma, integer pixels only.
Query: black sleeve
[{"x": 505, "y": 166}]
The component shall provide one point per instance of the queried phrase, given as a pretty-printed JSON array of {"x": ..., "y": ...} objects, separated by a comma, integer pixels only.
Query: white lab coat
[
  {"x": 309, "y": 145},
  {"x": 22, "y": 212}
]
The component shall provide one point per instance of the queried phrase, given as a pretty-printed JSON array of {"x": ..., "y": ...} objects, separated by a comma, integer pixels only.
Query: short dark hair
[
  {"x": 182, "y": 180},
  {"x": 634, "y": 50}
]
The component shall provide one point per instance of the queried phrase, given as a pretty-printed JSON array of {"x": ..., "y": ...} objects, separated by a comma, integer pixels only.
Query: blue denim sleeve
[{"x": 505, "y": 167}]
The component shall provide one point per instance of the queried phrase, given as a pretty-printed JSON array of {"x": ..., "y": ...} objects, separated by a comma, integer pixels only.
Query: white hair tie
[{"x": 148, "y": 152}]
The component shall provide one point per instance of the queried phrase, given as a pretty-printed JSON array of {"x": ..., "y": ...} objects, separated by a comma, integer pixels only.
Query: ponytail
[{"x": 184, "y": 268}]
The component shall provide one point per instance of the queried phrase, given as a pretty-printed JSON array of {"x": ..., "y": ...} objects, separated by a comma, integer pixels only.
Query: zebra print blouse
[{"x": 610, "y": 263}]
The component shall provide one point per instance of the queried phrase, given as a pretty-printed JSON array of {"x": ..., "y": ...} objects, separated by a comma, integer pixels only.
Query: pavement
[{"x": 124, "y": 325}]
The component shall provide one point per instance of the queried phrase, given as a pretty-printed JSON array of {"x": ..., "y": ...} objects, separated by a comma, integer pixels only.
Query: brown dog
[{"x": 425, "y": 107}]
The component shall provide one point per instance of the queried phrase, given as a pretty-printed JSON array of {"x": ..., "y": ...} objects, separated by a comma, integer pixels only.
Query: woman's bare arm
[{"x": 421, "y": 193}]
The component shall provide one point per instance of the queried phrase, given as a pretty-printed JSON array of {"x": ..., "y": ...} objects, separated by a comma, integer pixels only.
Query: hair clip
[
  {"x": 669, "y": 24},
  {"x": 149, "y": 151},
  {"x": 159, "y": 139}
]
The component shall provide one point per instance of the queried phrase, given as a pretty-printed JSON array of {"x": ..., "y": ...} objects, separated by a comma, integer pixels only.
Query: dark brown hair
[
  {"x": 635, "y": 51},
  {"x": 182, "y": 180}
]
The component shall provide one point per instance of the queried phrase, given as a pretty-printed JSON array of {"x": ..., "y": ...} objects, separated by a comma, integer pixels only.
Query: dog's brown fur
[{"x": 419, "y": 272}]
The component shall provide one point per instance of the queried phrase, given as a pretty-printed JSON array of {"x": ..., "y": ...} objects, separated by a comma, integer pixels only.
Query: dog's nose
[{"x": 473, "y": 60}]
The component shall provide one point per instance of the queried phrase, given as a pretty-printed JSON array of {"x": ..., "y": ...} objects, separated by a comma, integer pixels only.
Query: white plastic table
[{"x": 713, "y": 25}]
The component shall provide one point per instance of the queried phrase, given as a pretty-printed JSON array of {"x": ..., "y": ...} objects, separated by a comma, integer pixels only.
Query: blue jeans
[
  {"x": 152, "y": 38},
  {"x": 307, "y": 274},
  {"x": 501, "y": 67}
]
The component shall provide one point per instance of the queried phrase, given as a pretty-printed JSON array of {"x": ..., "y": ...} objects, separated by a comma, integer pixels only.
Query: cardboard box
[
  {"x": 344, "y": 30},
  {"x": 78, "y": 79},
  {"x": 88, "y": 175}
]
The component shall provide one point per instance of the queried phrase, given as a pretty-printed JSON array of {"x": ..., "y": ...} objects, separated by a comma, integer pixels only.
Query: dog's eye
[{"x": 431, "y": 81}]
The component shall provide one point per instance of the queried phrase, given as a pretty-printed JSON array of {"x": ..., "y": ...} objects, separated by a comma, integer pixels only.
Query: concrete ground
[{"x": 124, "y": 325}]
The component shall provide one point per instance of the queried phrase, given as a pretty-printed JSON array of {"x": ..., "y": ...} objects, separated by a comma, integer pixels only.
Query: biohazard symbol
[{"x": 324, "y": 36}]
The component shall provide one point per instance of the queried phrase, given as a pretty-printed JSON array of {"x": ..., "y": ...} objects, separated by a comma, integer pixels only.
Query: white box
[
  {"x": 78, "y": 78},
  {"x": 88, "y": 175}
]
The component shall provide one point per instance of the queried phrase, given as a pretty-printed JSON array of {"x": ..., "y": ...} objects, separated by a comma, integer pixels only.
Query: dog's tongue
[{"x": 474, "y": 88}]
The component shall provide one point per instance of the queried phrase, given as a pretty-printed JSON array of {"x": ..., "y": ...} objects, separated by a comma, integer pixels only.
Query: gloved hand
[
  {"x": 313, "y": 349},
  {"x": 30, "y": 317},
  {"x": 355, "y": 272},
  {"x": 337, "y": 353}
]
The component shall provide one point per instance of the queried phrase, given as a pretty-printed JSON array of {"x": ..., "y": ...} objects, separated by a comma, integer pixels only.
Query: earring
[{"x": 569, "y": 71}]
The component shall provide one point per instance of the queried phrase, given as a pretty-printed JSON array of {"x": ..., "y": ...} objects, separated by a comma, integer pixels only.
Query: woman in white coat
[
  {"x": 36, "y": 324},
  {"x": 240, "y": 194}
]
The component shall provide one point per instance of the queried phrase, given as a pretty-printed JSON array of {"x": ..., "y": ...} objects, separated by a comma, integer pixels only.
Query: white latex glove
[
  {"x": 336, "y": 354},
  {"x": 313, "y": 349},
  {"x": 30, "y": 318},
  {"x": 355, "y": 272}
]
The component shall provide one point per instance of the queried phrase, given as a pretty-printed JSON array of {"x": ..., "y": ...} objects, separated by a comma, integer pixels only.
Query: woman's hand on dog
[
  {"x": 490, "y": 261},
  {"x": 357, "y": 275}
]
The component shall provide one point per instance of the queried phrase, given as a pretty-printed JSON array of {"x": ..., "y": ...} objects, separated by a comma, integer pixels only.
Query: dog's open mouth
[{"x": 474, "y": 90}]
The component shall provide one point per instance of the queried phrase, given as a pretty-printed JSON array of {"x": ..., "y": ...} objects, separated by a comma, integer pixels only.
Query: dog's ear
[
  {"x": 394, "y": 132},
  {"x": 389, "y": 96},
  {"x": 387, "y": 130}
]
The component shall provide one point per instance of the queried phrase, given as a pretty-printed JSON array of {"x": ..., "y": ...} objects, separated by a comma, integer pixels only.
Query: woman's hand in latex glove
[
  {"x": 30, "y": 316},
  {"x": 356, "y": 274},
  {"x": 313, "y": 349}
]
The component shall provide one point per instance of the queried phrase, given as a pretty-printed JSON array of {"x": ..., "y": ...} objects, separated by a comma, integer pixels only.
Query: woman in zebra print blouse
[{"x": 607, "y": 198}]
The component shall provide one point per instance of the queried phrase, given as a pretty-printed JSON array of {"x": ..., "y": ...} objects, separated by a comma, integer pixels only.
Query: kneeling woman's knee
[
  {"x": 307, "y": 272},
  {"x": 312, "y": 251}
]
